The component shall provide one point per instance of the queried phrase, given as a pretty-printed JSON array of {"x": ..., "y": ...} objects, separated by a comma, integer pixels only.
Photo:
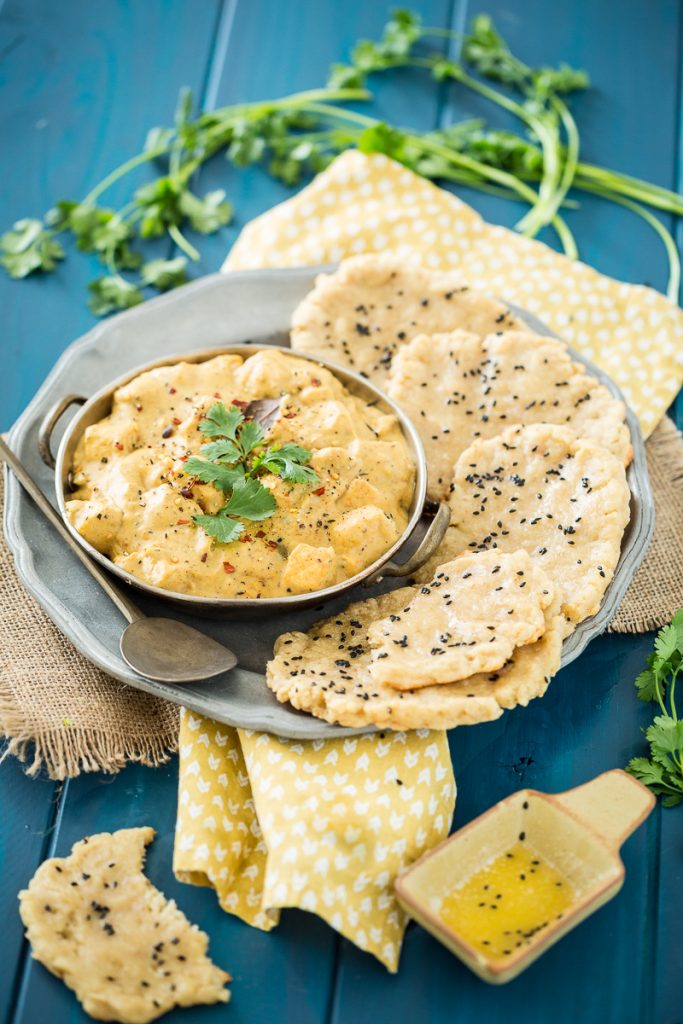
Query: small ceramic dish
[
  {"x": 578, "y": 833},
  {"x": 99, "y": 406}
]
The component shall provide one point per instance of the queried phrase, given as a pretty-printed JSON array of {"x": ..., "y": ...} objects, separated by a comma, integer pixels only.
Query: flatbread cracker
[
  {"x": 360, "y": 315},
  {"x": 326, "y": 672},
  {"x": 97, "y": 922},
  {"x": 563, "y": 499},
  {"x": 457, "y": 387},
  {"x": 468, "y": 618}
]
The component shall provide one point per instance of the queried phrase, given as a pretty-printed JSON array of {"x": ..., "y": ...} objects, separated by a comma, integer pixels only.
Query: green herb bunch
[
  {"x": 233, "y": 461},
  {"x": 663, "y": 770},
  {"x": 298, "y": 135}
]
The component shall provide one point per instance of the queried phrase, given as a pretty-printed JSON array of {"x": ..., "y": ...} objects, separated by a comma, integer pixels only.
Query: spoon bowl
[{"x": 172, "y": 652}]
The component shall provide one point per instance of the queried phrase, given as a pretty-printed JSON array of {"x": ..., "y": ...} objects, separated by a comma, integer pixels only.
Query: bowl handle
[
  {"x": 49, "y": 423},
  {"x": 424, "y": 552}
]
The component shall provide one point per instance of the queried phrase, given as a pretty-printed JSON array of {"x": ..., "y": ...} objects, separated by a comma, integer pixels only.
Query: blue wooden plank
[
  {"x": 81, "y": 85},
  {"x": 27, "y": 811},
  {"x": 282, "y": 976}
]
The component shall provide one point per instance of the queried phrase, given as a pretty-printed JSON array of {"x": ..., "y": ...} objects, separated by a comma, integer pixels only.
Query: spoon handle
[{"x": 124, "y": 605}]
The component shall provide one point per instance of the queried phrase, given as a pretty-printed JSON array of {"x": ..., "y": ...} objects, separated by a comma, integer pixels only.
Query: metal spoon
[{"x": 165, "y": 650}]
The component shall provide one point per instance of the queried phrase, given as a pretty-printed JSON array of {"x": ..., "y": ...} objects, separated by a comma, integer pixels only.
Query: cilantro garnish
[
  {"x": 234, "y": 461},
  {"x": 662, "y": 772}
]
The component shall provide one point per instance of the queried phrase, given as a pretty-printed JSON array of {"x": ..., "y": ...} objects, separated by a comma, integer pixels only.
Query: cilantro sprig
[
  {"x": 662, "y": 772},
  {"x": 298, "y": 135},
  {"x": 233, "y": 461}
]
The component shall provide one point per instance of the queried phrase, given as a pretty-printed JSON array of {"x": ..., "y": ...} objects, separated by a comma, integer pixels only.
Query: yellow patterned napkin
[
  {"x": 324, "y": 825},
  {"x": 370, "y": 203}
]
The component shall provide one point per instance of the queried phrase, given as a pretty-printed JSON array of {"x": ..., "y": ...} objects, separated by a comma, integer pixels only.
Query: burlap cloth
[{"x": 62, "y": 715}]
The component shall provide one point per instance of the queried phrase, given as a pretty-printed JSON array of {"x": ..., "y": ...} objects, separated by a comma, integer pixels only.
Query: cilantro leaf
[
  {"x": 663, "y": 770},
  {"x": 251, "y": 435},
  {"x": 158, "y": 139},
  {"x": 247, "y": 144},
  {"x": 111, "y": 293},
  {"x": 220, "y": 526},
  {"x": 221, "y": 451},
  {"x": 345, "y": 76},
  {"x": 221, "y": 421},
  {"x": 288, "y": 462},
  {"x": 207, "y": 214},
  {"x": 251, "y": 500},
  {"x": 100, "y": 230},
  {"x": 217, "y": 473},
  {"x": 646, "y": 685},
  {"x": 165, "y": 274},
  {"x": 159, "y": 203},
  {"x": 666, "y": 643},
  {"x": 646, "y": 771},
  {"x": 28, "y": 247},
  {"x": 665, "y": 737}
]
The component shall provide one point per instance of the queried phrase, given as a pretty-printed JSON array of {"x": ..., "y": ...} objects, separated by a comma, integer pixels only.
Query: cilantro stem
[
  {"x": 674, "y": 283},
  {"x": 121, "y": 171},
  {"x": 653, "y": 195},
  {"x": 182, "y": 243}
]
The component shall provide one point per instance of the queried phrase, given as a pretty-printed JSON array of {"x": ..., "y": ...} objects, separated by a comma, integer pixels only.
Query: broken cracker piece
[{"x": 97, "y": 922}]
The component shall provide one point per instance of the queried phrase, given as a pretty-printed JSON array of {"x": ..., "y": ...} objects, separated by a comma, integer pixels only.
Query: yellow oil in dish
[{"x": 506, "y": 905}]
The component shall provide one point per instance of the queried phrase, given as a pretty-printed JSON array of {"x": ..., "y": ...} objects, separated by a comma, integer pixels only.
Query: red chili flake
[
  {"x": 315, "y": 382},
  {"x": 171, "y": 391},
  {"x": 216, "y": 394},
  {"x": 239, "y": 403},
  {"x": 227, "y": 567},
  {"x": 186, "y": 491},
  {"x": 289, "y": 415},
  {"x": 181, "y": 458},
  {"x": 177, "y": 421},
  {"x": 118, "y": 445},
  {"x": 203, "y": 558},
  {"x": 271, "y": 544},
  {"x": 182, "y": 522},
  {"x": 246, "y": 538},
  {"x": 319, "y": 490},
  {"x": 260, "y": 533}
]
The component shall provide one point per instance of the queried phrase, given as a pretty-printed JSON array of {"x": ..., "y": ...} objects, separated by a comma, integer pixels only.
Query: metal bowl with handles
[{"x": 99, "y": 405}]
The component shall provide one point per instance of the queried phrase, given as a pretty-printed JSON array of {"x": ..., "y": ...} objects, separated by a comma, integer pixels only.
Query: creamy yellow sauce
[
  {"x": 508, "y": 904},
  {"x": 134, "y": 501}
]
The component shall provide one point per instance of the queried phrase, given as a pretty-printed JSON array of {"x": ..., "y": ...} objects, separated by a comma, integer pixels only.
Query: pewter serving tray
[{"x": 217, "y": 310}]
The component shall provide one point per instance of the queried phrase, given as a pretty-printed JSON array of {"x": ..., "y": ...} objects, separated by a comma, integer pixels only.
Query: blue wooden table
[{"x": 80, "y": 83}]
